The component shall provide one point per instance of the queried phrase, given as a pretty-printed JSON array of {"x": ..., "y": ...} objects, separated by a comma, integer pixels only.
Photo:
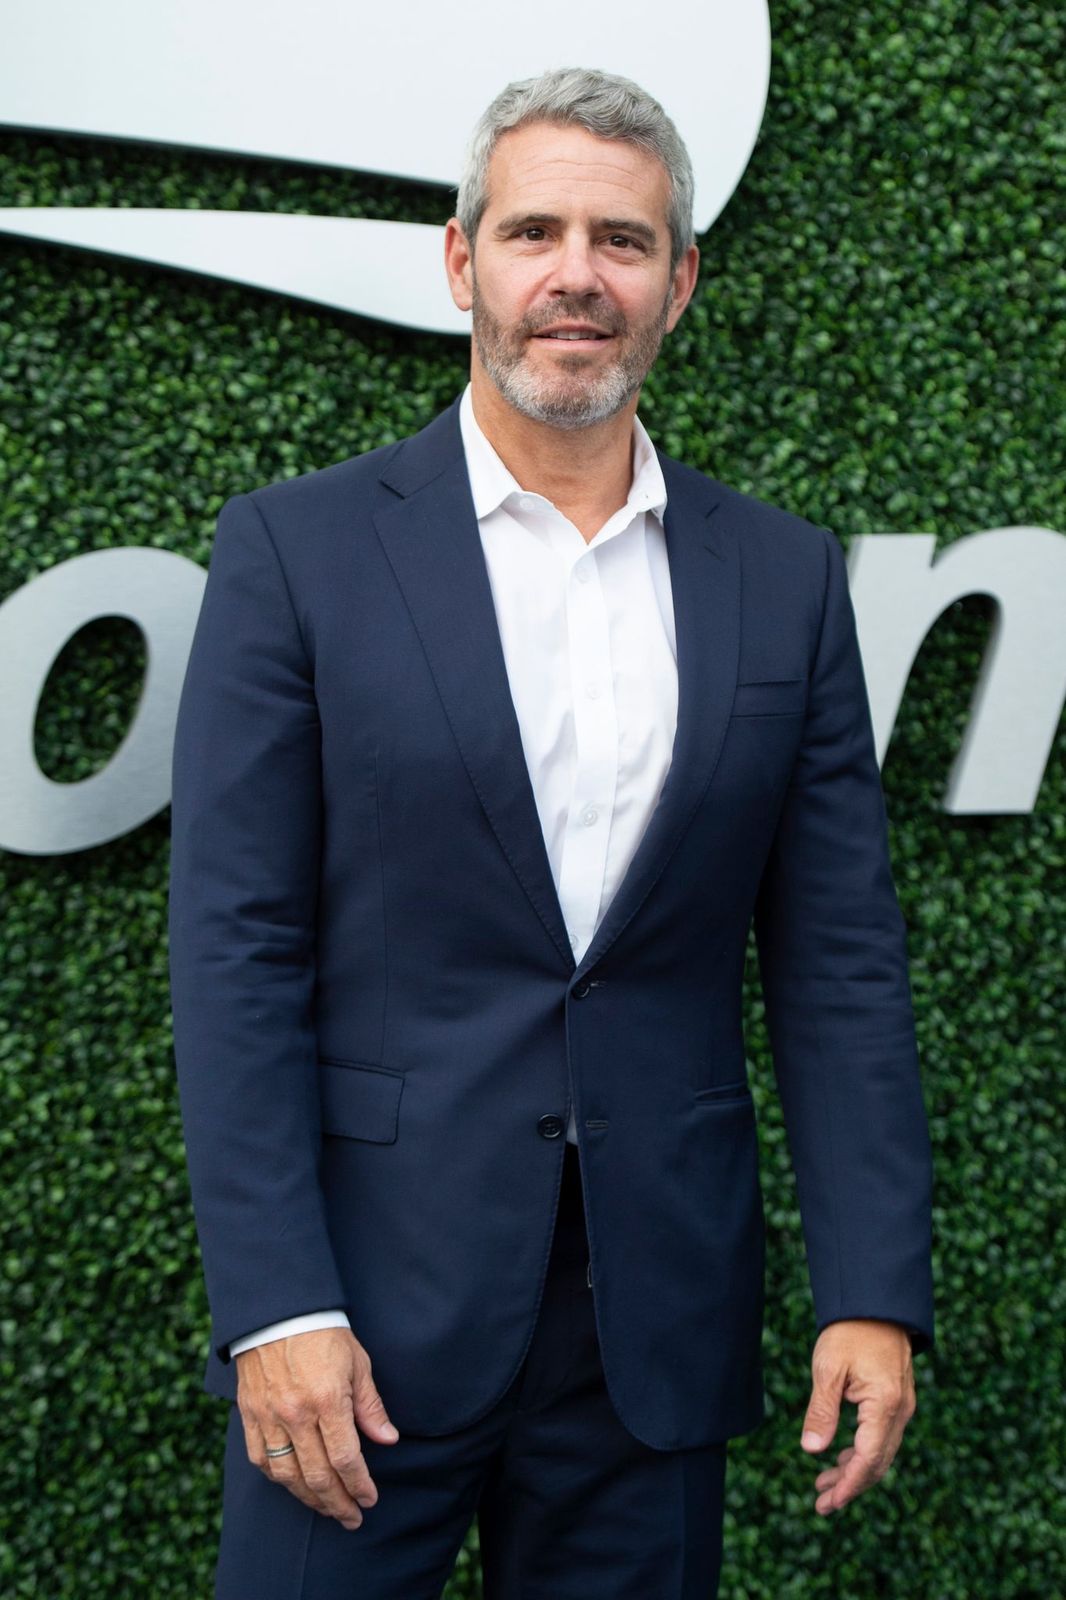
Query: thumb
[
  {"x": 823, "y": 1414},
  {"x": 370, "y": 1413}
]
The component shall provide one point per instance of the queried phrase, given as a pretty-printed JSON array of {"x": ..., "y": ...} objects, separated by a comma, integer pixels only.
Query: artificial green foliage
[{"x": 877, "y": 343}]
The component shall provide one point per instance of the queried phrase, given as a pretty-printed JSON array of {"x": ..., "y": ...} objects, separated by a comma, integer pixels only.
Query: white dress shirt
[{"x": 587, "y": 629}]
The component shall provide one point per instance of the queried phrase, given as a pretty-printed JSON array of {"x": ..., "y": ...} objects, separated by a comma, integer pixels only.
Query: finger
[
  {"x": 319, "y": 1477},
  {"x": 285, "y": 1470},
  {"x": 279, "y": 1469},
  {"x": 880, "y": 1431},
  {"x": 258, "y": 1438},
  {"x": 254, "y": 1443},
  {"x": 866, "y": 1465},
  {"x": 298, "y": 1426},
  {"x": 287, "y": 1475},
  {"x": 370, "y": 1413},
  {"x": 822, "y": 1417},
  {"x": 832, "y": 1475},
  {"x": 343, "y": 1447},
  {"x": 854, "y": 1479}
]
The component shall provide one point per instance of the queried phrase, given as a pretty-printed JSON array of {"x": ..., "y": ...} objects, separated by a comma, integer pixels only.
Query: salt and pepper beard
[{"x": 564, "y": 402}]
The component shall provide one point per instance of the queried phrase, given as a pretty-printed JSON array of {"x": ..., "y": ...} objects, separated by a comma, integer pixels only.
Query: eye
[
  {"x": 533, "y": 228},
  {"x": 620, "y": 239}
]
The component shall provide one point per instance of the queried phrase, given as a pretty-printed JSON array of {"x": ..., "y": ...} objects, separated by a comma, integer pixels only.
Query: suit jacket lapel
[
  {"x": 704, "y": 559},
  {"x": 431, "y": 539}
]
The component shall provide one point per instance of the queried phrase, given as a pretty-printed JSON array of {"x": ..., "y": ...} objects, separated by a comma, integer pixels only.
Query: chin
[{"x": 569, "y": 406}]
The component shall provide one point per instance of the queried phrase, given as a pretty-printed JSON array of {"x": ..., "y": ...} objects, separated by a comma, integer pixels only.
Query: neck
[{"x": 585, "y": 472}]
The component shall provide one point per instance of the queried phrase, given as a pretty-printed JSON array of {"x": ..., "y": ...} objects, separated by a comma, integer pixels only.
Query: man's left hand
[{"x": 868, "y": 1362}]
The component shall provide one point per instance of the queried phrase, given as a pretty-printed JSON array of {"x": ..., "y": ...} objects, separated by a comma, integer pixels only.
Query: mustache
[{"x": 603, "y": 319}]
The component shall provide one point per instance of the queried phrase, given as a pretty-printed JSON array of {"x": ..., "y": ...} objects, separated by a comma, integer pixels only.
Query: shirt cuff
[{"x": 309, "y": 1322}]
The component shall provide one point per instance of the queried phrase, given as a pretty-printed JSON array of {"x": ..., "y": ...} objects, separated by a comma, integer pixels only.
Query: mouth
[{"x": 575, "y": 337}]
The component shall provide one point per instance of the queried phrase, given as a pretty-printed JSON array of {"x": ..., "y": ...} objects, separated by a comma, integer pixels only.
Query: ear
[
  {"x": 459, "y": 263},
  {"x": 685, "y": 275}
]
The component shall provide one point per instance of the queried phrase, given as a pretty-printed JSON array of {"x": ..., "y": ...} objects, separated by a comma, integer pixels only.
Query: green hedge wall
[{"x": 876, "y": 343}]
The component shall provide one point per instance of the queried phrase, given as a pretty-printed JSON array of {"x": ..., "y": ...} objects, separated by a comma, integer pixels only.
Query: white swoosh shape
[
  {"x": 378, "y": 88},
  {"x": 392, "y": 271}
]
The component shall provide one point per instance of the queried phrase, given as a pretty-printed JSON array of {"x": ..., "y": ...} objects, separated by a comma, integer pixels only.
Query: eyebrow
[{"x": 530, "y": 219}]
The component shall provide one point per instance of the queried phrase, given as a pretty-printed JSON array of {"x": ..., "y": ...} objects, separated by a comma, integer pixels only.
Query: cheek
[
  {"x": 639, "y": 303},
  {"x": 510, "y": 296}
]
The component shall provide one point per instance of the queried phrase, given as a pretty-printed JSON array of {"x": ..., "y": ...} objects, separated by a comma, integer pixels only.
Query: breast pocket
[{"x": 771, "y": 697}]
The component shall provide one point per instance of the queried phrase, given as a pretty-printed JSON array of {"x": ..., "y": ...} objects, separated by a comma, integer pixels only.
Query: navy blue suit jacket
[{"x": 375, "y": 1000}]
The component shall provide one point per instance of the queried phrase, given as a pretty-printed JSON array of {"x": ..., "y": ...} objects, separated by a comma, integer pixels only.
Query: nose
[{"x": 574, "y": 267}]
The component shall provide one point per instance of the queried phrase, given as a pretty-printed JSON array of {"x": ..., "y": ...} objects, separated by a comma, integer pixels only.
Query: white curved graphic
[
  {"x": 159, "y": 591},
  {"x": 390, "y": 270},
  {"x": 899, "y": 587},
  {"x": 374, "y": 89}
]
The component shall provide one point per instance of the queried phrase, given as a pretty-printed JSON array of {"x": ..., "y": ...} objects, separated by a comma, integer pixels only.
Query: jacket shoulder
[
  {"x": 364, "y": 482},
  {"x": 758, "y": 518},
  {"x": 318, "y": 491},
  {"x": 772, "y": 536}
]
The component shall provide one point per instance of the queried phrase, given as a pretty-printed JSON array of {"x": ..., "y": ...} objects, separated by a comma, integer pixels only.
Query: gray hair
[{"x": 600, "y": 102}]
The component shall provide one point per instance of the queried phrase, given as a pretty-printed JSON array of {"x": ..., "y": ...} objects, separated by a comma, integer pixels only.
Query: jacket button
[
  {"x": 581, "y": 989},
  {"x": 550, "y": 1127}
]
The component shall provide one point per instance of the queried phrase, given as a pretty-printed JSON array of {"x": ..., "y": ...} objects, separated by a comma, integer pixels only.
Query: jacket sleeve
[
  {"x": 832, "y": 951},
  {"x": 244, "y": 865}
]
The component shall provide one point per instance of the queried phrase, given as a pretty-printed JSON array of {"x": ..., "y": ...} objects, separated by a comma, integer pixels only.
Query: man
[{"x": 492, "y": 746}]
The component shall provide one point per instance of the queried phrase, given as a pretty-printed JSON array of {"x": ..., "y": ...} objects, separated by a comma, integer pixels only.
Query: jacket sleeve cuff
[{"x": 921, "y": 1338}]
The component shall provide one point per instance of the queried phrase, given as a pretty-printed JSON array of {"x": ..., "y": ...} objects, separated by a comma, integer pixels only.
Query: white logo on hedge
[
  {"x": 377, "y": 89},
  {"x": 897, "y": 588}
]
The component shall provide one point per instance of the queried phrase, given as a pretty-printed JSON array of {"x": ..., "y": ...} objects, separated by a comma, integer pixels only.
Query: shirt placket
[{"x": 584, "y": 857}]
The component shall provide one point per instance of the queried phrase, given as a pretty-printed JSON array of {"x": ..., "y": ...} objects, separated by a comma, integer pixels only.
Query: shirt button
[
  {"x": 584, "y": 572},
  {"x": 592, "y": 690},
  {"x": 589, "y": 817},
  {"x": 573, "y": 940},
  {"x": 527, "y": 503}
]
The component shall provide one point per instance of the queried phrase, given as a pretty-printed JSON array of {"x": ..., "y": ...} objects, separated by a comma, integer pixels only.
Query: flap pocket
[
  {"x": 360, "y": 1102},
  {"x": 773, "y": 697}
]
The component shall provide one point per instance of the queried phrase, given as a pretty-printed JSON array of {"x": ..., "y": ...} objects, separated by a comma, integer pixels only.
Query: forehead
[{"x": 544, "y": 167}]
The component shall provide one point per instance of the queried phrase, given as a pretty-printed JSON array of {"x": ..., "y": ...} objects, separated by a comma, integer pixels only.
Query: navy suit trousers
[{"x": 569, "y": 1505}]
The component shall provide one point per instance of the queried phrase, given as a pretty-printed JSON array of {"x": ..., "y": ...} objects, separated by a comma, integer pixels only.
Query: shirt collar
[{"x": 491, "y": 483}]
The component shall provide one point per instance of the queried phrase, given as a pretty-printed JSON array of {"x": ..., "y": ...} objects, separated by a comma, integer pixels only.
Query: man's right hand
[{"x": 312, "y": 1389}]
